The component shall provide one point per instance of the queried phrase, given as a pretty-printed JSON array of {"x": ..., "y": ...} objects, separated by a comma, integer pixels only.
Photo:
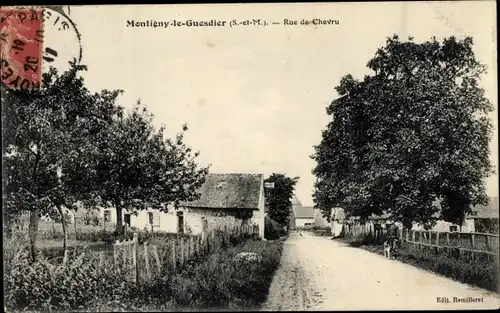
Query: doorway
[
  {"x": 180, "y": 222},
  {"x": 126, "y": 219}
]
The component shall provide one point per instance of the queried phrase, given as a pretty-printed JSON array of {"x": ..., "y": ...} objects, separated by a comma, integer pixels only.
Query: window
[
  {"x": 453, "y": 228},
  {"x": 154, "y": 218},
  {"x": 107, "y": 216}
]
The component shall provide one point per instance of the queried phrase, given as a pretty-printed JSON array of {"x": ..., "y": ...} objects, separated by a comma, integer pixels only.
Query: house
[
  {"x": 224, "y": 200},
  {"x": 304, "y": 217},
  {"x": 295, "y": 204},
  {"x": 337, "y": 220},
  {"x": 484, "y": 218},
  {"x": 320, "y": 220}
]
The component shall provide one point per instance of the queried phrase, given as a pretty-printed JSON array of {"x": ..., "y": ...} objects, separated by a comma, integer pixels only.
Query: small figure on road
[
  {"x": 390, "y": 243},
  {"x": 300, "y": 233}
]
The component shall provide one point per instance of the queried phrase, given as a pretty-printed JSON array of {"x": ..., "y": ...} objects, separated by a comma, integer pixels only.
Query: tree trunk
[
  {"x": 33, "y": 232},
  {"x": 119, "y": 220},
  {"x": 65, "y": 233}
]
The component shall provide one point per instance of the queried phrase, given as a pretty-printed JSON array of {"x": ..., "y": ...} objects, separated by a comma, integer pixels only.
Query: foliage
[
  {"x": 44, "y": 286},
  {"x": 134, "y": 165},
  {"x": 278, "y": 198},
  {"x": 92, "y": 217},
  {"x": 44, "y": 131},
  {"x": 219, "y": 283},
  {"x": 412, "y": 139},
  {"x": 211, "y": 280},
  {"x": 272, "y": 230}
]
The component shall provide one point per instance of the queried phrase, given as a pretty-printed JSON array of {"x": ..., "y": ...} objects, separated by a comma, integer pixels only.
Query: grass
[
  {"x": 478, "y": 269},
  {"x": 211, "y": 281},
  {"x": 216, "y": 282}
]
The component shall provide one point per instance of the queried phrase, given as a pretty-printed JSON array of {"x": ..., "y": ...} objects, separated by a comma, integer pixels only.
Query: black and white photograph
[{"x": 250, "y": 157}]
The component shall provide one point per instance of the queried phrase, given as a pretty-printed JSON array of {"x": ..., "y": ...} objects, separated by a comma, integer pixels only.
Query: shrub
[
  {"x": 44, "y": 286},
  {"x": 272, "y": 230},
  {"x": 218, "y": 282}
]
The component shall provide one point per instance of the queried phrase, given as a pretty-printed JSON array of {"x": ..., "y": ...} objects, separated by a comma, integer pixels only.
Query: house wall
[
  {"x": 443, "y": 226},
  {"x": 163, "y": 221},
  {"x": 193, "y": 219},
  {"x": 301, "y": 221},
  {"x": 319, "y": 220}
]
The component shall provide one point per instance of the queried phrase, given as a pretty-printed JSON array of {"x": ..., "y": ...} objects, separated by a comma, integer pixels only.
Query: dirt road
[{"x": 317, "y": 273}]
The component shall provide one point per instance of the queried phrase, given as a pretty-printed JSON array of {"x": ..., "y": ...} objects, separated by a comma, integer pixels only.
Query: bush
[
  {"x": 213, "y": 280},
  {"x": 272, "y": 230},
  {"x": 44, "y": 286},
  {"x": 218, "y": 282}
]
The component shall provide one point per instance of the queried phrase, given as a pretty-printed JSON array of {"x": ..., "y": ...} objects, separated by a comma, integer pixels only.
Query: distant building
[
  {"x": 484, "y": 219},
  {"x": 320, "y": 220},
  {"x": 304, "y": 217},
  {"x": 225, "y": 200}
]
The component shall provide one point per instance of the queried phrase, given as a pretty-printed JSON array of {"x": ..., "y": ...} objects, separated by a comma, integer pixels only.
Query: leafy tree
[
  {"x": 278, "y": 198},
  {"x": 133, "y": 165},
  {"x": 42, "y": 131},
  {"x": 412, "y": 139}
]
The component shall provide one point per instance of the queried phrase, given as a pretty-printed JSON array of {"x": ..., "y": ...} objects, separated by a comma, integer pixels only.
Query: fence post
[
  {"x": 101, "y": 259},
  {"x": 488, "y": 243},
  {"x": 182, "y": 251},
  {"x": 146, "y": 259},
  {"x": 459, "y": 240},
  {"x": 472, "y": 240},
  {"x": 157, "y": 257},
  {"x": 76, "y": 237},
  {"x": 124, "y": 256},
  {"x": 224, "y": 235},
  {"x": 115, "y": 255},
  {"x": 195, "y": 246},
  {"x": 174, "y": 255},
  {"x": 447, "y": 238},
  {"x": 212, "y": 243},
  {"x": 437, "y": 239},
  {"x": 135, "y": 252},
  {"x": 191, "y": 248},
  {"x": 413, "y": 238}
]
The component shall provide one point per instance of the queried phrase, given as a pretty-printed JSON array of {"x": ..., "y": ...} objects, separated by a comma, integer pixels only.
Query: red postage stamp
[
  {"x": 32, "y": 41},
  {"x": 21, "y": 38}
]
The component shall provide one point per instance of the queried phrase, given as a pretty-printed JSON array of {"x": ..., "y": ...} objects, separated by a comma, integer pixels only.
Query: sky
[{"x": 254, "y": 98}]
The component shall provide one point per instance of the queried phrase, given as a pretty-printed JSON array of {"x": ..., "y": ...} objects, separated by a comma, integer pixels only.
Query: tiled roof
[
  {"x": 304, "y": 212},
  {"x": 229, "y": 191}
]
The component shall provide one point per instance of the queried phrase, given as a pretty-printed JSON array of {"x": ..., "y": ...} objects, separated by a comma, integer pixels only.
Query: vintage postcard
[{"x": 262, "y": 157}]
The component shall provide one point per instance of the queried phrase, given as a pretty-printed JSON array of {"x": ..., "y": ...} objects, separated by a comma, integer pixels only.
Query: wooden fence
[
  {"x": 468, "y": 242},
  {"x": 143, "y": 261}
]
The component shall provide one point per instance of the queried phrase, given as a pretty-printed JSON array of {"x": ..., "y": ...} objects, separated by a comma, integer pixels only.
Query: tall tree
[
  {"x": 412, "y": 139},
  {"x": 42, "y": 130},
  {"x": 279, "y": 197},
  {"x": 134, "y": 165}
]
